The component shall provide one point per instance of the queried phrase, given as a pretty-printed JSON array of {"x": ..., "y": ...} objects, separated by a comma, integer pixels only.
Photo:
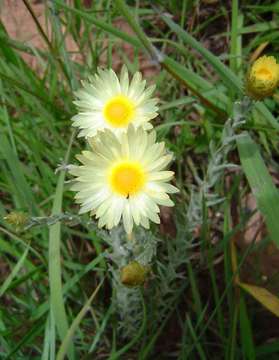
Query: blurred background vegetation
[{"x": 196, "y": 302}]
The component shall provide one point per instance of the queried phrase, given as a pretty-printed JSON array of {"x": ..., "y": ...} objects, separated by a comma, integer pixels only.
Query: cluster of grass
[{"x": 57, "y": 297}]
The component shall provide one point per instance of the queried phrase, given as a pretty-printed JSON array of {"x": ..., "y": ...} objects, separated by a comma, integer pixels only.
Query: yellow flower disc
[
  {"x": 119, "y": 111},
  {"x": 127, "y": 178},
  {"x": 264, "y": 74},
  {"x": 263, "y": 78}
]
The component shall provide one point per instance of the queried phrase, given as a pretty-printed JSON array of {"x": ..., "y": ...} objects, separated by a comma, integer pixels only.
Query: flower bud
[
  {"x": 17, "y": 219},
  {"x": 262, "y": 78},
  {"x": 133, "y": 274}
]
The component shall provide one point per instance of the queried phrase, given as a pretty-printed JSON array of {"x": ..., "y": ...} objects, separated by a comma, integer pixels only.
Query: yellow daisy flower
[
  {"x": 124, "y": 177},
  {"x": 263, "y": 77},
  {"x": 106, "y": 102}
]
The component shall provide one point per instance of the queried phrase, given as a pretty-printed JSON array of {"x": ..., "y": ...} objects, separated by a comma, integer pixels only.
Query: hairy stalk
[
  {"x": 128, "y": 300},
  {"x": 217, "y": 164}
]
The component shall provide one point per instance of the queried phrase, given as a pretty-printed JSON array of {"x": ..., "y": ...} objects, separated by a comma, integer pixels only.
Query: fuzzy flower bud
[
  {"x": 262, "y": 78},
  {"x": 17, "y": 219},
  {"x": 133, "y": 274}
]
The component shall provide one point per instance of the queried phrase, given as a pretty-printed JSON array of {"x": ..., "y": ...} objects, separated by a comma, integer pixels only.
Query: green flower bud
[
  {"x": 133, "y": 274},
  {"x": 17, "y": 219}
]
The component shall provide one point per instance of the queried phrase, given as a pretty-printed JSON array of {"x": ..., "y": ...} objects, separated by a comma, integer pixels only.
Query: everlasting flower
[
  {"x": 263, "y": 78},
  {"x": 108, "y": 103},
  {"x": 124, "y": 177}
]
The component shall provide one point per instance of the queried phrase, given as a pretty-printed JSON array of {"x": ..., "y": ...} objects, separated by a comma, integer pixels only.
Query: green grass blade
[
  {"x": 196, "y": 84},
  {"x": 124, "y": 9},
  {"x": 27, "y": 338},
  {"x": 49, "y": 341},
  {"x": 56, "y": 297},
  {"x": 69, "y": 336},
  {"x": 263, "y": 110},
  {"x": 100, "y": 24},
  {"x": 261, "y": 184},
  {"x": 234, "y": 35},
  {"x": 60, "y": 47},
  {"x": 246, "y": 331},
  {"x": 14, "y": 272},
  {"x": 6, "y": 247},
  {"x": 20, "y": 184},
  {"x": 194, "y": 336},
  {"x": 44, "y": 307},
  {"x": 230, "y": 349},
  {"x": 229, "y": 78},
  {"x": 56, "y": 294},
  {"x": 101, "y": 329}
]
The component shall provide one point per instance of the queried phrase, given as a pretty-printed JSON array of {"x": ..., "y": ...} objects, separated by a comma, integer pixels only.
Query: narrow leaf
[
  {"x": 100, "y": 24},
  {"x": 69, "y": 336},
  {"x": 55, "y": 273},
  {"x": 14, "y": 272},
  {"x": 246, "y": 331},
  {"x": 261, "y": 184},
  {"x": 266, "y": 298}
]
